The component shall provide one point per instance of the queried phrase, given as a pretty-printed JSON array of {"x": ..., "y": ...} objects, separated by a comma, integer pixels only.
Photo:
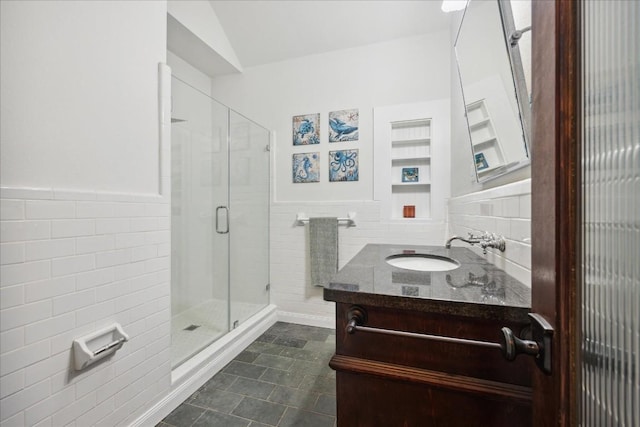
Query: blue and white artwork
[
  {"x": 306, "y": 167},
  {"x": 306, "y": 129},
  {"x": 481, "y": 162},
  {"x": 410, "y": 175},
  {"x": 343, "y": 165},
  {"x": 343, "y": 125}
]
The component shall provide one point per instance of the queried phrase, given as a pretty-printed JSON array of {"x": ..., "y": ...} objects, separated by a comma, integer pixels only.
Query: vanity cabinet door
[
  {"x": 387, "y": 380},
  {"x": 372, "y": 401}
]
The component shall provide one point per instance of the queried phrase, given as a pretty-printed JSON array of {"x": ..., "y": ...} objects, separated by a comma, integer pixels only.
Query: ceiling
[{"x": 264, "y": 31}]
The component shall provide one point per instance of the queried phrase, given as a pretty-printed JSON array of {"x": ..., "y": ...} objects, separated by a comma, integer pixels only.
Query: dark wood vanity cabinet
[{"x": 386, "y": 380}]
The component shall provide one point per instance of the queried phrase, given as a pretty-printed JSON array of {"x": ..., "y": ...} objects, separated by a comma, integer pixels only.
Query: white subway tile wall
[
  {"x": 73, "y": 262},
  {"x": 504, "y": 210},
  {"x": 291, "y": 289}
]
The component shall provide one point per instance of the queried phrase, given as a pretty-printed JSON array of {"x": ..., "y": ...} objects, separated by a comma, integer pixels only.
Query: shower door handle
[{"x": 218, "y": 220}]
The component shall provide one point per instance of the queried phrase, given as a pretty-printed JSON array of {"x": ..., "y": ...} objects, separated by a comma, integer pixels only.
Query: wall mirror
[{"x": 493, "y": 52}]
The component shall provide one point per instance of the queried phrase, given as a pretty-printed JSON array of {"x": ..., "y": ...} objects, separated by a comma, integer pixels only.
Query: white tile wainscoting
[
  {"x": 291, "y": 291},
  {"x": 73, "y": 262},
  {"x": 504, "y": 210}
]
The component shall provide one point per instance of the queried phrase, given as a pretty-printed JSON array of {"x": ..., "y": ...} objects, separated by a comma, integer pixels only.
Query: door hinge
[{"x": 268, "y": 287}]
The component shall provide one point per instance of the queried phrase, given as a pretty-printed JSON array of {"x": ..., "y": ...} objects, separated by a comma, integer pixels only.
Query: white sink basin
[{"x": 422, "y": 262}]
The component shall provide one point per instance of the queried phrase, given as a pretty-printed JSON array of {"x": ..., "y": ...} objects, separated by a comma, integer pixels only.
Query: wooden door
[{"x": 555, "y": 203}]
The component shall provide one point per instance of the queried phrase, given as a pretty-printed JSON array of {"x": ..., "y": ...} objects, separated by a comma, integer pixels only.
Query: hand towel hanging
[{"x": 323, "y": 249}]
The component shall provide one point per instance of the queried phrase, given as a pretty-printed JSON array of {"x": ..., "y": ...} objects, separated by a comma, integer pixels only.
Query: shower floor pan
[{"x": 196, "y": 328}]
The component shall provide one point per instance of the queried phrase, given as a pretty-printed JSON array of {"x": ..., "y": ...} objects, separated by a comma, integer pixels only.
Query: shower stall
[{"x": 219, "y": 220}]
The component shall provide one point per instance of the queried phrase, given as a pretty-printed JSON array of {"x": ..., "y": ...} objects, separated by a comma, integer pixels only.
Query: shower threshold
[{"x": 196, "y": 328}]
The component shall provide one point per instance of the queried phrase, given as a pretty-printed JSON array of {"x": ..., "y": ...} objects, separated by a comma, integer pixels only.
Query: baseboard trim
[{"x": 307, "y": 319}]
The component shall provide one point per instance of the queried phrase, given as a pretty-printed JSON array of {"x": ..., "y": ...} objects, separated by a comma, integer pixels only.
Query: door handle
[
  {"x": 218, "y": 220},
  {"x": 539, "y": 346}
]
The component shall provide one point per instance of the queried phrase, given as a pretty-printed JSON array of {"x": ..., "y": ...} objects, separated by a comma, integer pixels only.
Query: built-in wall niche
[
  {"x": 487, "y": 150},
  {"x": 411, "y": 168},
  {"x": 411, "y": 161}
]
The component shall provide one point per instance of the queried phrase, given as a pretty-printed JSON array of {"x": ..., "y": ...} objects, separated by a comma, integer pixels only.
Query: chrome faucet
[
  {"x": 486, "y": 240},
  {"x": 472, "y": 240}
]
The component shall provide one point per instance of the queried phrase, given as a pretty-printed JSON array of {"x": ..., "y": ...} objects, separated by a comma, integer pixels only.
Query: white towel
[{"x": 323, "y": 249}]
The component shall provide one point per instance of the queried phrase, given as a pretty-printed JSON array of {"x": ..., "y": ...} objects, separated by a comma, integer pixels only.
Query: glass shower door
[
  {"x": 249, "y": 217},
  {"x": 610, "y": 367},
  {"x": 199, "y": 242}
]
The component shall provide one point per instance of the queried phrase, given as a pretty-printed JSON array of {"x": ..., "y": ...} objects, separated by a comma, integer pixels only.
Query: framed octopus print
[{"x": 343, "y": 165}]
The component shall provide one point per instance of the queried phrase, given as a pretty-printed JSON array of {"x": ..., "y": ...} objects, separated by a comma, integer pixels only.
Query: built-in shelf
[
  {"x": 421, "y": 141},
  {"x": 411, "y": 160},
  {"x": 491, "y": 140},
  {"x": 483, "y": 171},
  {"x": 480, "y": 123},
  {"x": 420, "y": 159},
  {"x": 410, "y": 184},
  {"x": 409, "y": 141},
  {"x": 487, "y": 150}
]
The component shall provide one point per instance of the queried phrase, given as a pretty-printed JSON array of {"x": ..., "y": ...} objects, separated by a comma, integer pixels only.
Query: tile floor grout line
[
  {"x": 282, "y": 416},
  {"x": 196, "y": 420}
]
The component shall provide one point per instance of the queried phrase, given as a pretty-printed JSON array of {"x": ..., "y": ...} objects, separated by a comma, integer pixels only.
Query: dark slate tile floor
[{"x": 282, "y": 379}]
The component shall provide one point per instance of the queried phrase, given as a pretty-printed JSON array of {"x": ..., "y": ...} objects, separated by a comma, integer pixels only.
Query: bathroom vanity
[{"x": 420, "y": 348}]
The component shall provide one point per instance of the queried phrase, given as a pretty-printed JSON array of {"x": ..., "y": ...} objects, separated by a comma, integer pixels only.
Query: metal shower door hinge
[{"x": 268, "y": 287}]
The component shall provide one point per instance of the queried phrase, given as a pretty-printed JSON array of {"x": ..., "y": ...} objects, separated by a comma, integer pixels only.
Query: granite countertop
[{"x": 475, "y": 289}]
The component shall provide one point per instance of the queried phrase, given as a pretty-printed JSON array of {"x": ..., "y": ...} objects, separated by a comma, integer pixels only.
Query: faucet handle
[{"x": 492, "y": 240}]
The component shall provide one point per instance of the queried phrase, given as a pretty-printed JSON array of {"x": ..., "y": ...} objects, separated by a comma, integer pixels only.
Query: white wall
[
  {"x": 89, "y": 244},
  {"x": 396, "y": 72},
  {"x": 78, "y": 91},
  {"x": 188, "y": 73},
  {"x": 195, "y": 30}
]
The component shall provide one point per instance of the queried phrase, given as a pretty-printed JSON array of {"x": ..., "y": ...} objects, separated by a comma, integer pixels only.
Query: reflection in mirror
[
  {"x": 520, "y": 41},
  {"x": 493, "y": 51}
]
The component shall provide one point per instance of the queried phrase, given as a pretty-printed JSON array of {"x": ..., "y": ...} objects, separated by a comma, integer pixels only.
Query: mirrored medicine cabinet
[{"x": 493, "y": 53}]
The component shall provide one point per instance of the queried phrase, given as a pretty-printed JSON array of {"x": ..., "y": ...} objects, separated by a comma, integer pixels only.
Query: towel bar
[
  {"x": 301, "y": 219},
  {"x": 358, "y": 316},
  {"x": 352, "y": 327}
]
